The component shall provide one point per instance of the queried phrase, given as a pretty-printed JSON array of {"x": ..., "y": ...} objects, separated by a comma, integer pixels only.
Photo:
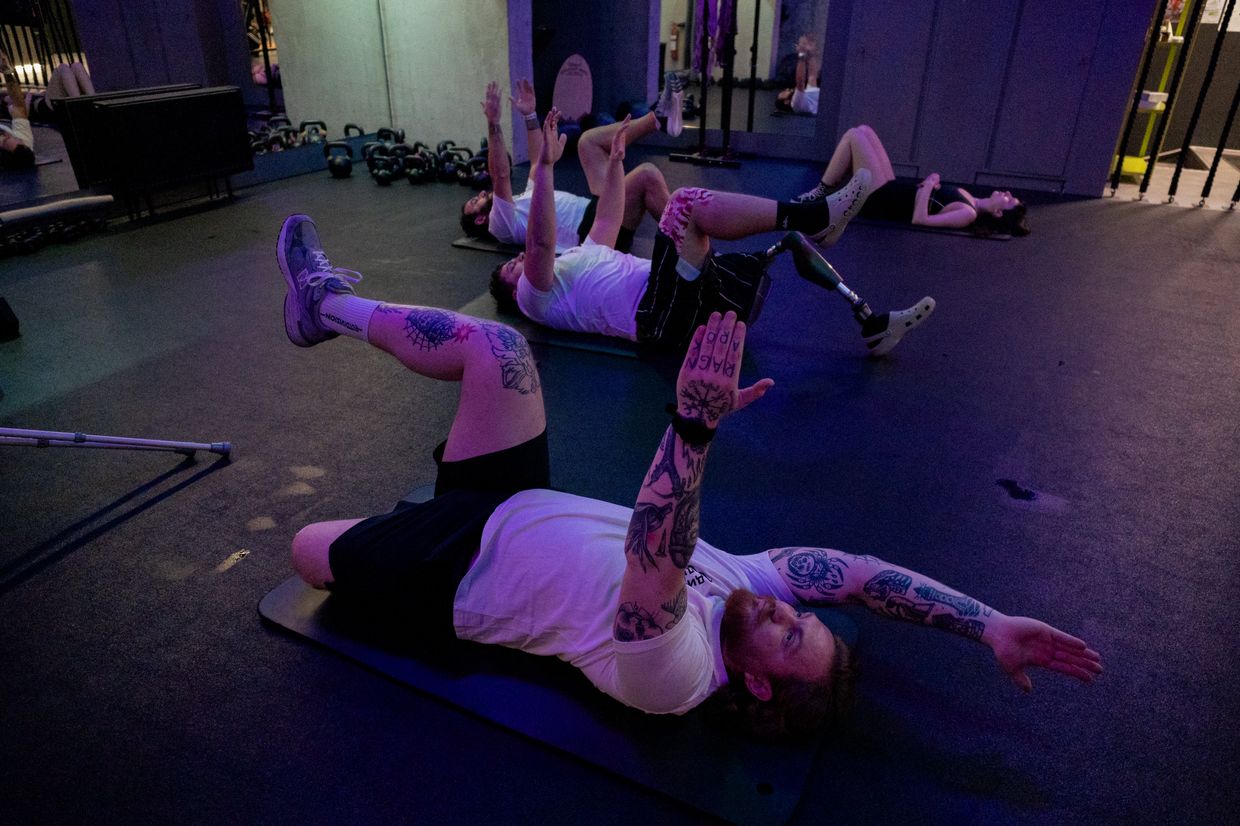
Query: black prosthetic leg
[{"x": 817, "y": 270}]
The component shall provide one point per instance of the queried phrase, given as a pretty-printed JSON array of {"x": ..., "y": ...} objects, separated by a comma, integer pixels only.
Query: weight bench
[{"x": 686, "y": 757}]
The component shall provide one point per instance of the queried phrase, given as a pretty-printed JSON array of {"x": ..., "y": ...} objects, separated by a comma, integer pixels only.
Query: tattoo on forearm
[
  {"x": 517, "y": 368},
  {"x": 684, "y": 534},
  {"x": 905, "y": 609},
  {"x": 647, "y": 525},
  {"x": 704, "y": 400},
  {"x": 813, "y": 569},
  {"x": 886, "y": 583},
  {"x": 972, "y": 629},
  {"x": 429, "y": 329},
  {"x": 962, "y": 605},
  {"x": 676, "y": 607},
  {"x": 634, "y": 623},
  {"x": 665, "y": 465},
  {"x": 494, "y": 129}
]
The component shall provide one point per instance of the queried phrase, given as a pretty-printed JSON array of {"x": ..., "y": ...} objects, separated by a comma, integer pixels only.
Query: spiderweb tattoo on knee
[
  {"x": 517, "y": 368},
  {"x": 430, "y": 329}
]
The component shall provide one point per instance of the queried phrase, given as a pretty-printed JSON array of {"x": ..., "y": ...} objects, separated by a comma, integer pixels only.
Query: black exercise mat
[
  {"x": 685, "y": 757},
  {"x": 484, "y": 307},
  {"x": 874, "y": 222},
  {"x": 487, "y": 245},
  {"x": 44, "y": 160}
]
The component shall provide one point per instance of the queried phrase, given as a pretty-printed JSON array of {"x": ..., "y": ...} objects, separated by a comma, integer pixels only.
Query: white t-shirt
[
  {"x": 594, "y": 289},
  {"x": 547, "y": 581},
  {"x": 805, "y": 101},
  {"x": 509, "y": 219},
  {"x": 20, "y": 130}
]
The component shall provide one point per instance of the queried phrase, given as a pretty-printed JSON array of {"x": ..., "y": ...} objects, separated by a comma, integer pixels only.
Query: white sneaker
[{"x": 899, "y": 324}]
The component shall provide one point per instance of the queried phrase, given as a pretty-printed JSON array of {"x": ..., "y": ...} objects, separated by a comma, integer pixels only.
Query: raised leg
[
  {"x": 645, "y": 193},
  {"x": 594, "y": 147},
  {"x": 63, "y": 83},
  {"x": 83, "y": 79}
]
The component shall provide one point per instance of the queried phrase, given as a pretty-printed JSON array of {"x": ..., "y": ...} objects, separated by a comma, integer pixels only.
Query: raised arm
[
  {"x": 526, "y": 105},
  {"x": 609, "y": 212},
  {"x": 953, "y": 216},
  {"x": 540, "y": 232},
  {"x": 818, "y": 576},
  {"x": 497, "y": 152},
  {"x": 664, "y": 528}
]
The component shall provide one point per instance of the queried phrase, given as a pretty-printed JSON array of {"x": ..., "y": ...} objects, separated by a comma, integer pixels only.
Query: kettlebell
[
  {"x": 360, "y": 131},
  {"x": 340, "y": 165},
  {"x": 312, "y": 131}
]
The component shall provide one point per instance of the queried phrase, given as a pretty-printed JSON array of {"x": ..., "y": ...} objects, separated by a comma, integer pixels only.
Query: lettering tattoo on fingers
[
  {"x": 905, "y": 609},
  {"x": 812, "y": 569},
  {"x": 972, "y": 629},
  {"x": 647, "y": 525},
  {"x": 886, "y": 583},
  {"x": 962, "y": 605},
  {"x": 634, "y": 622},
  {"x": 676, "y": 607},
  {"x": 517, "y": 368}
]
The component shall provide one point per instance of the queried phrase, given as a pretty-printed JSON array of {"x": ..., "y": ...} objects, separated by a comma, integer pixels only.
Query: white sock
[{"x": 347, "y": 314}]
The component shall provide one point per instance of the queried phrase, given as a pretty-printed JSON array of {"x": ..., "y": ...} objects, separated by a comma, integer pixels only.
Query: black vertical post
[
  {"x": 729, "y": 59},
  {"x": 1222, "y": 144},
  {"x": 1201, "y": 99},
  {"x": 704, "y": 77},
  {"x": 1235, "y": 196},
  {"x": 1151, "y": 40},
  {"x": 753, "y": 63},
  {"x": 1160, "y": 131},
  {"x": 258, "y": 6}
]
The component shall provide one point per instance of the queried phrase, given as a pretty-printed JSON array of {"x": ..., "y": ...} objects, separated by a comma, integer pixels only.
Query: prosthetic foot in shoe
[
  {"x": 882, "y": 332},
  {"x": 309, "y": 276}
]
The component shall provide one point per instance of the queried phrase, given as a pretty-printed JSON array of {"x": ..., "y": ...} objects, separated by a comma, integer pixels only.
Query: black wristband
[{"x": 690, "y": 431}]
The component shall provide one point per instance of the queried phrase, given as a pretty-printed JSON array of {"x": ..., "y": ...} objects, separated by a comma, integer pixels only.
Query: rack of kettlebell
[{"x": 388, "y": 158}]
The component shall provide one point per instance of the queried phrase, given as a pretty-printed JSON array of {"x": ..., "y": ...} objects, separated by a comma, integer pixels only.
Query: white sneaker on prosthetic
[
  {"x": 883, "y": 332},
  {"x": 309, "y": 276},
  {"x": 671, "y": 103},
  {"x": 844, "y": 204}
]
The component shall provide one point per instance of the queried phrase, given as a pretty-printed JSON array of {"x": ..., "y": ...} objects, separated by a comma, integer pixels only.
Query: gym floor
[{"x": 1094, "y": 363}]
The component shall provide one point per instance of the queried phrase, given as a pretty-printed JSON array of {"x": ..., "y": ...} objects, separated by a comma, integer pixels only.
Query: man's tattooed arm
[
  {"x": 661, "y": 537},
  {"x": 818, "y": 576}
]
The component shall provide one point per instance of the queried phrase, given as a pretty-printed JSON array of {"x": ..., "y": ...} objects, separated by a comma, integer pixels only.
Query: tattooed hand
[{"x": 708, "y": 386}]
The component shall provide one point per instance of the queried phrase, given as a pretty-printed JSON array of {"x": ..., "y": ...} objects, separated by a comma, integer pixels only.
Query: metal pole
[
  {"x": 1151, "y": 40},
  {"x": 729, "y": 59},
  {"x": 1181, "y": 62},
  {"x": 1201, "y": 99},
  {"x": 703, "y": 77},
  {"x": 1222, "y": 144},
  {"x": 48, "y": 438},
  {"x": 753, "y": 63}
]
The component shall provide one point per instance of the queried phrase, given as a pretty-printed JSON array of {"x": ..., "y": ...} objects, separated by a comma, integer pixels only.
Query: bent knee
[
  {"x": 677, "y": 215},
  {"x": 310, "y": 550}
]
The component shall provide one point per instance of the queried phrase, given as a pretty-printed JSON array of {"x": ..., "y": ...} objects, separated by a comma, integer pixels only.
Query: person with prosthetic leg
[
  {"x": 660, "y": 301},
  {"x": 653, "y": 616},
  {"x": 504, "y": 216}
]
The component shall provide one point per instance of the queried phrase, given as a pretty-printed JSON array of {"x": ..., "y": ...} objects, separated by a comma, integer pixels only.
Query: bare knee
[{"x": 310, "y": 553}]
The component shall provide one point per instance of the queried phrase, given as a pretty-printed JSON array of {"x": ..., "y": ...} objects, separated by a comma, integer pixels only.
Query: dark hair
[
  {"x": 797, "y": 709},
  {"x": 1011, "y": 222},
  {"x": 472, "y": 228},
  {"x": 502, "y": 293},
  {"x": 20, "y": 157}
]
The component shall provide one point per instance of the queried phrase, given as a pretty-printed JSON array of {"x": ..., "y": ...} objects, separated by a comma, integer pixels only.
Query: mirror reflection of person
[
  {"x": 504, "y": 215},
  {"x": 927, "y": 202},
  {"x": 803, "y": 97},
  {"x": 655, "y": 617},
  {"x": 16, "y": 137}
]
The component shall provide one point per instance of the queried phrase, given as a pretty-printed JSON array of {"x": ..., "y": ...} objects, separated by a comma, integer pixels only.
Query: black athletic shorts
[
  {"x": 587, "y": 219},
  {"x": 672, "y": 308},
  {"x": 404, "y": 566}
]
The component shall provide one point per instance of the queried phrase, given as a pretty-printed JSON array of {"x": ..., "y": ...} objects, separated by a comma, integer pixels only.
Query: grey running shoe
[
  {"x": 671, "y": 104},
  {"x": 845, "y": 205},
  {"x": 894, "y": 326},
  {"x": 309, "y": 276}
]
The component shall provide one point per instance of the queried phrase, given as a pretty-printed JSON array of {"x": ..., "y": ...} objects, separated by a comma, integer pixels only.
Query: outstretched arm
[
  {"x": 609, "y": 212},
  {"x": 497, "y": 153},
  {"x": 818, "y": 576},
  {"x": 523, "y": 101},
  {"x": 664, "y": 528},
  {"x": 540, "y": 231},
  {"x": 953, "y": 216}
]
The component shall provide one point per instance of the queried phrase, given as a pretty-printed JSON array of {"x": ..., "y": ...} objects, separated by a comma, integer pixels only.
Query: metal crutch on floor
[{"x": 47, "y": 438}]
